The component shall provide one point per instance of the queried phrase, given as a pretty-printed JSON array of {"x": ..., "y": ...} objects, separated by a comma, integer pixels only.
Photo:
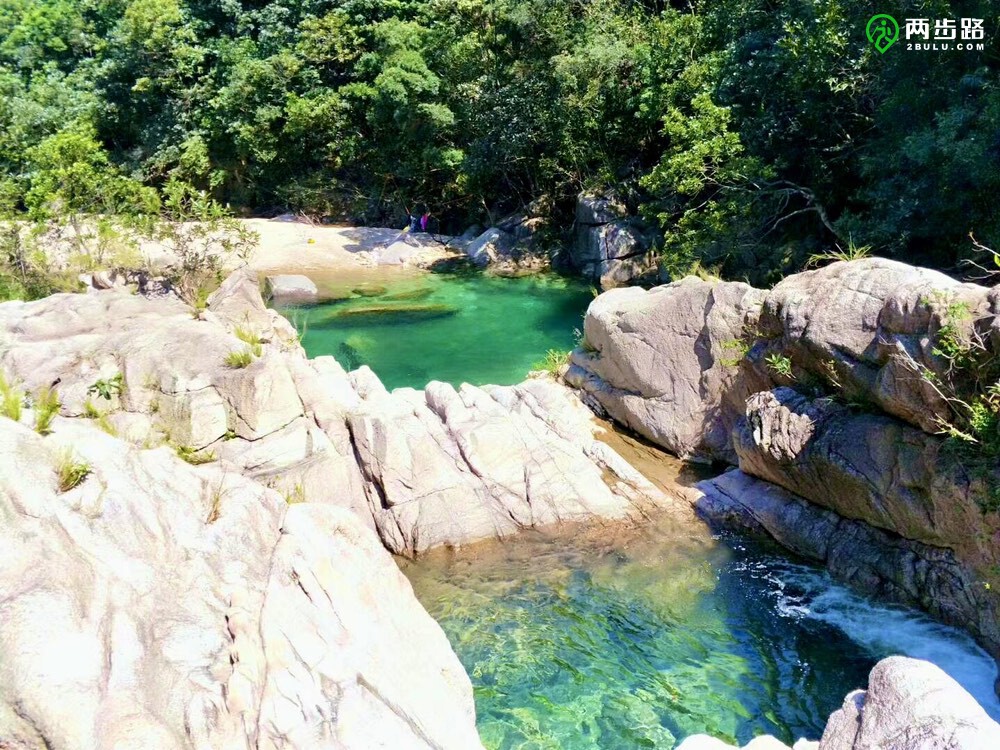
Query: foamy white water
[{"x": 884, "y": 630}]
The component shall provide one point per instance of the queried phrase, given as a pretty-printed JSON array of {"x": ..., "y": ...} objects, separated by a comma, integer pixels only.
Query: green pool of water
[
  {"x": 469, "y": 328},
  {"x": 638, "y": 642}
]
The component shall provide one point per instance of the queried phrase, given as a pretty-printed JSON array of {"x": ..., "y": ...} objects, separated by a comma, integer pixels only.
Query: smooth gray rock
[
  {"x": 662, "y": 362},
  {"x": 490, "y": 246},
  {"x": 290, "y": 286}
]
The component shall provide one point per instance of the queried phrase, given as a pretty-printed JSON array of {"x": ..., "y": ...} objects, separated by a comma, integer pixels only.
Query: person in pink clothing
[{"x": 424, "y": 221}]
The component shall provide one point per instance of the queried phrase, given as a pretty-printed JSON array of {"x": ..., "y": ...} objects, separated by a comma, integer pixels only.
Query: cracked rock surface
[{"x": 220, "y": 575}]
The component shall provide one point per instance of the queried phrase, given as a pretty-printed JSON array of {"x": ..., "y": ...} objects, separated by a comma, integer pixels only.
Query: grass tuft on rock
[
  {"x": 553, "y": 363},
  {"x": 239, "y": 359},
  {"x": 46, "y": 408},
  {"x": 71, "y": 471},
  {"x": 11, "y": 398},
  {"x": 194, "y": 456}
]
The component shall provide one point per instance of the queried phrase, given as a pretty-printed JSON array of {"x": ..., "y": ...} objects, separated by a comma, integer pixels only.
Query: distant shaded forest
[{"x": 752, "y": 132}]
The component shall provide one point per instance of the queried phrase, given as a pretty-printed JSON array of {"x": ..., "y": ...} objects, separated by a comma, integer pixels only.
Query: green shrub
[
  {"x": 108, "y": 387},
  {"x": 46, "y": 408}
]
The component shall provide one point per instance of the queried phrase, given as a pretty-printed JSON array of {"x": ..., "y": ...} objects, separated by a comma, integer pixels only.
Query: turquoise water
[
  {"x": 577, "y": 644},
  {"x": 457, "y": 328}
]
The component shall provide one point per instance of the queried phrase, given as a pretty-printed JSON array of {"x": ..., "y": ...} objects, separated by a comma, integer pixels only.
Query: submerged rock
[{"x": 399, "y": 312}]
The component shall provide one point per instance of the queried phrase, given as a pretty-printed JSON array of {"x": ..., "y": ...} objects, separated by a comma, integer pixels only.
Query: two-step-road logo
[{"x": 932, "y": 35}]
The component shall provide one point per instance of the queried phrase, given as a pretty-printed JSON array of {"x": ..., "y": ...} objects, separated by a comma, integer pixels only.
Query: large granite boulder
[
  {"x": 158, "y": 605},
  {"x": 910, "y": 705},
  {"x": 869, "y": 329},
  {"x": 447, "y": 466},
  {"x": 663, "y": 362},
  {"x": 610, "y": 247}
]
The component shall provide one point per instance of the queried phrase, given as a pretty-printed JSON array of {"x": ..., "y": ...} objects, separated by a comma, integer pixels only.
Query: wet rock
[{"x": 876, "y": 561}]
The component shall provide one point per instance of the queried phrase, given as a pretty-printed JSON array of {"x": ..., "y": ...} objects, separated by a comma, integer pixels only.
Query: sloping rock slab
[{"x": 158, "y": 606}]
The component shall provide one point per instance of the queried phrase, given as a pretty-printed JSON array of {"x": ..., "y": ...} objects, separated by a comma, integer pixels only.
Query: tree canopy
[{"x": 754, "y": 133}]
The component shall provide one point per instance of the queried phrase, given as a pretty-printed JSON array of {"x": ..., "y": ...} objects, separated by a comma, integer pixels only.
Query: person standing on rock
[{"x": 425, "y": 220}]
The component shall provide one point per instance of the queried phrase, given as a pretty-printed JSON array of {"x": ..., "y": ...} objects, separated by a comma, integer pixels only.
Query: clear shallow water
[
  {"x": 470, "y": 328},
  {"x": 639, "y": 639}
]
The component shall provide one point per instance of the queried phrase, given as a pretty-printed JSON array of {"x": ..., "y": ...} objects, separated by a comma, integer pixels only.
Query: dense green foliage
[{"x": 754, "y": 132}]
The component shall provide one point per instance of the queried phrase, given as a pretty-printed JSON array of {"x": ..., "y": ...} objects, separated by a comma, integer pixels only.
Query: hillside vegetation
[{"x": 754, "y": 133}]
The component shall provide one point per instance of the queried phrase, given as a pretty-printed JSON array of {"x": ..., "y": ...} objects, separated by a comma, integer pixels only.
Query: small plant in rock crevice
[
  {"x": 46, "y": 408},
  {"x": 295, "y": 495},
  {"x": 780, "y": 365},
  {"x": 239, "y": 358},
  {"x": 553, "y": 363},
  {"x": 107, "y": 388},
  {"x": 251, "y": 338},
  {"x": 194, "y": 456},
  {"x": 851, "y": 252},
  {"x": 70, "y": 471},
  {"x": 11, "y": 398},
  {"x": 90, "y": 411}
]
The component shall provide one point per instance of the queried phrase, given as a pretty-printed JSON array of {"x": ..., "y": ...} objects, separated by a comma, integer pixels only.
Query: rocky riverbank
[
  {"x": 196, "y": 543},
  {"x": 829, "y": 393},
  {"x": 195, "y": 550}
]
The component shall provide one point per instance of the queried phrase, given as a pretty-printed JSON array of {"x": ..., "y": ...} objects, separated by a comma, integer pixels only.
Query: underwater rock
[{"x": 400, "y": 313}]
